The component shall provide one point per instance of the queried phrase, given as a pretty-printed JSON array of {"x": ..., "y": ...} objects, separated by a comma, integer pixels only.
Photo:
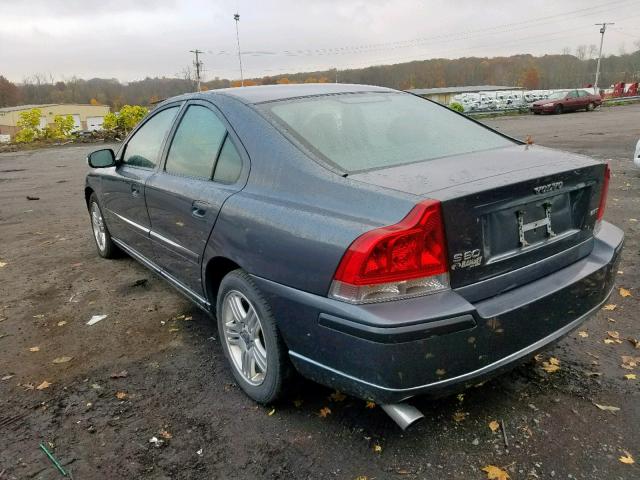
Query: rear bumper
[{"x": 391, "y": 351}]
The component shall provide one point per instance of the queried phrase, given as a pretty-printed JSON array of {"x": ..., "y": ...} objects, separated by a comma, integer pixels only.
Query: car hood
[{"x": 461, "y": 174}]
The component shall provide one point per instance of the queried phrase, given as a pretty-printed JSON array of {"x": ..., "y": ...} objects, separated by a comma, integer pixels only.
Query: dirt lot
[{"x": 178, "y": 388}]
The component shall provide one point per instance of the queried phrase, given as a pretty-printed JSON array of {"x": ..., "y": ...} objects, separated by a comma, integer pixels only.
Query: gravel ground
[{"x": 172, "y": 382}]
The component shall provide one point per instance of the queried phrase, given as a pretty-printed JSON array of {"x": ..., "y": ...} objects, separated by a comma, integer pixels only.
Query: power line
[{"x": 367, "y": 48}]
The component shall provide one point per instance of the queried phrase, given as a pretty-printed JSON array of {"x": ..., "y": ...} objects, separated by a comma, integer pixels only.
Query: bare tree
[{"x": 581, "y": 52}]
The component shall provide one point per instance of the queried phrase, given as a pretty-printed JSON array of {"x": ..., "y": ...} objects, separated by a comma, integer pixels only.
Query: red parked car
[{"x": 570, "y": 101}]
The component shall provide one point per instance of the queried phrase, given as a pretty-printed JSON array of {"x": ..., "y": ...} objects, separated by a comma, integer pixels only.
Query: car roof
[{"x": 270, "y": 93}]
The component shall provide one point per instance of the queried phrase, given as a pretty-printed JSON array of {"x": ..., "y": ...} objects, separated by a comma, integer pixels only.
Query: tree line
[{"x": 542, "y": 72}]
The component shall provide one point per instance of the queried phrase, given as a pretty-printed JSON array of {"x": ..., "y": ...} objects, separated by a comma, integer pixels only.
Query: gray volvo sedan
[{"x": 372, "y": 240}]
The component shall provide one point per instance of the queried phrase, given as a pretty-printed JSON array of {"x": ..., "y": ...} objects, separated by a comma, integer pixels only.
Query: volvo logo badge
[{"x": 549, "y": 187}]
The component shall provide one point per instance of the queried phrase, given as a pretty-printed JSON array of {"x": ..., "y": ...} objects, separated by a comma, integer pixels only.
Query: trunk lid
[{"x": 512, "y": 215}]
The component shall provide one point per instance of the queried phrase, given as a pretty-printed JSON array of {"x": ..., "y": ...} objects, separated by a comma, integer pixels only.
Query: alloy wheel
[
  {"x": 244, "y": 337},
  {"x": 98, "y": 227}
]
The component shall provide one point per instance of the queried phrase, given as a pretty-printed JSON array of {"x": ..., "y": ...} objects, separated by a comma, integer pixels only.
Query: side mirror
[
  {"x": 101, "y": 158},
  {"x": 636, "y": 156}
]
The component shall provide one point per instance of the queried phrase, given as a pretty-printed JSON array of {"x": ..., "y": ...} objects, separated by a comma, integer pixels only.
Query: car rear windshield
[{"x": 365, "y": 131}]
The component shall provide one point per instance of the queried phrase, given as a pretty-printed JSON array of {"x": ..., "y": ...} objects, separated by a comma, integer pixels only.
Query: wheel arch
[
  {"x": 216, "y": 269},
  {"x": 88, "y": 191}
]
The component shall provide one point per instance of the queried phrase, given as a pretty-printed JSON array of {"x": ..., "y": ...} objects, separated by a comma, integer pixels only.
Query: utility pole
[
  {"x": 236, "y": 17},
  {"x": 602, "y": 30},
  {"x": 198, "y": 65}
]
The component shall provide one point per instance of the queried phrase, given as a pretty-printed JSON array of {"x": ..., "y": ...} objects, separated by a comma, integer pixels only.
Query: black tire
[
  {"x": 109, "y": 249},
  {"x": 279, "y": 369},
  {"x": 591, "y": 107},
  {"x": 558, "y": 109}
]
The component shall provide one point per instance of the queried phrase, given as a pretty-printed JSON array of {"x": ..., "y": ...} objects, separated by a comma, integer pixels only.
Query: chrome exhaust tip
[{"x": 403, "y": 414}]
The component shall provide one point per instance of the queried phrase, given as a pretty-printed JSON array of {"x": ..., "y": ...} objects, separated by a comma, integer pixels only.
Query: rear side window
[
  {"x": 144, "y": 147},
  {"x": 364, "y": 131},
  {"x": 196, "y": 143},
  {"x": 582, "y": 93},
  {"x": 229, "y": 164}
]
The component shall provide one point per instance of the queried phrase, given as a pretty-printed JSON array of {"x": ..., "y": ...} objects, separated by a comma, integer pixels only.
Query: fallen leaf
[
  {"x": 43, "y": 385},
  {"x": 624, "y": 292},
  {"x": 583, "y": 334},
  {"x": 630, "y": 376},
  {"x": 610, "y": 307},
  {"x": 61, "y": 359},
  {"x": 609, "y": 341},
  {"x": 164, "y": 434},
  {"x": 553, "y": 365},
  {"x": 607, "y": 408},
  {"x": 613, "y": 334},
  {"x": 495, "y": 473},
  {"x": 377, "y": 448},
  {"x": 121, "y": 374},
  {"x": 440, "y": 372},
  {"x": 173, "y": 330},
  {"x": 337, "y": 396},
  {"x": 62, "y": 323},
  {"x": 612, "y": 320},
  {"x": 635, "y": 342},
  {"x": 3, "y": 264},
  {"x": 297, "y": 403},
  {"x": 121, "y": 395},
  {"x": 627, "y": 458},
  {"x": 34, "y": 349},
  {"x": 460, "y": 416},
  {"x": 494, "y": 425},
  {"x": 6, "y": 377},
  {"x": 460, "y": 397},
  {"x": 325, "y": 412},
  {"x": 370, "y": 405},
  {"x": 629, "y": 362},
  {"x": 40, "y": 315},
  {"x": 273, "y": 410}
]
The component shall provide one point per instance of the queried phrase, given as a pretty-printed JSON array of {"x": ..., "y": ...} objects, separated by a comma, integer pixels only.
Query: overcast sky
[{"x": 133, "y": 39}]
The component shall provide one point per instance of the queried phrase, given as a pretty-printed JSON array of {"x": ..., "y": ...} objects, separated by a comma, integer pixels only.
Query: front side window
[
  {"x": 196, "y": 143},
  {"x": 143, "y": 150},
  {"x": 363, "y": 131}
]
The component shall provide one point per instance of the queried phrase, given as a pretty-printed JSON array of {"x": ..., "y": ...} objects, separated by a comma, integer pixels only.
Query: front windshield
[
  {"x": 363, "y": 131},
  {"x": 557, "y": 95}
]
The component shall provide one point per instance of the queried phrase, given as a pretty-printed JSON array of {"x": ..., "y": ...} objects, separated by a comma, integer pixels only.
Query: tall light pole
[
  {"x": 198, "y": 65},
  {"x": 236, "y": 17},
  {"x": 602, "y": 30}
]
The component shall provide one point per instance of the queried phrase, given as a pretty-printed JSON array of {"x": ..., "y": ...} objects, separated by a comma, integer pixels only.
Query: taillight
[
  {"x": 404, "y": 260},
  {"x": 603, "y": 195}
]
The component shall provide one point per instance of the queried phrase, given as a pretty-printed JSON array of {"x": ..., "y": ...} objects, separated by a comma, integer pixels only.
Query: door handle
[
  {"x": 199, "y": 209},
  {"x": 135, "y": 189}
]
